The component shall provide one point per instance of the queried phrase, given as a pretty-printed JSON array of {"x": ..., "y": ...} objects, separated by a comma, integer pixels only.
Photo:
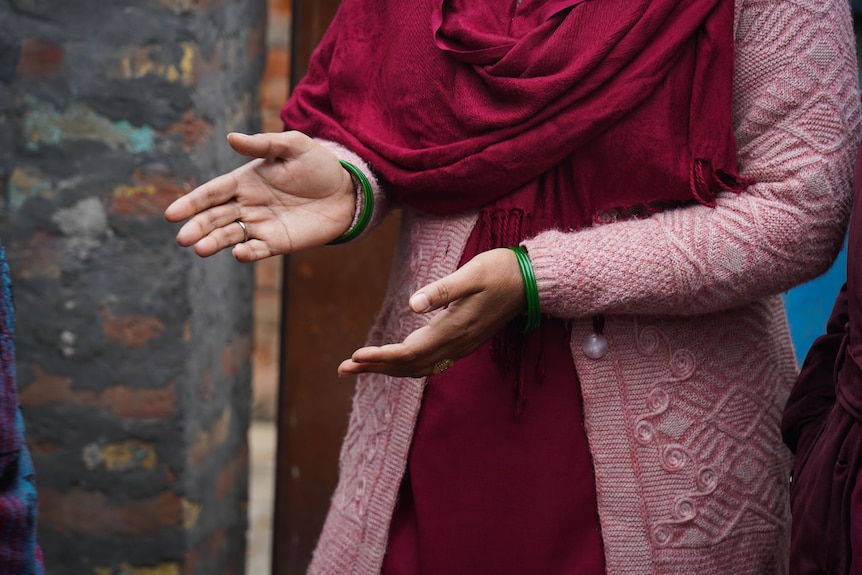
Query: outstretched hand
[
  {"x": 479, "y": 299},
  {"x": 295, "y": 194}
]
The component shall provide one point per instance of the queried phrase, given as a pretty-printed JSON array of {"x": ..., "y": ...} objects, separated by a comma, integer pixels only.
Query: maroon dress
[
  {"x": 823, "y": 426},
  {"x": 499, "y": 477}
]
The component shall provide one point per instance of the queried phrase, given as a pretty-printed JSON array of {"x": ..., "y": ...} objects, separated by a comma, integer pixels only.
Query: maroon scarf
[{"x": 456, "y": 103}]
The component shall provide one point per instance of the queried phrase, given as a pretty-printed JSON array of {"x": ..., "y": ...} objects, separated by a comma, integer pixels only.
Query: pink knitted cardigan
[{"x": 683, "y": 412}]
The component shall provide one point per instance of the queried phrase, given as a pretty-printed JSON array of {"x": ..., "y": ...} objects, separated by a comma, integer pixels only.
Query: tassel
[
  {"x": 700, "y": 187},
  {"x": 506, "y": 228},
  {"x": 732, "y": 182},
  {"x": 705, "y": 181}
]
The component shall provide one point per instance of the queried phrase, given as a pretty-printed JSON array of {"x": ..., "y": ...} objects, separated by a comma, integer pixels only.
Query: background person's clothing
[
  {"x": 823, "y": 425},
  {"x": 19, "y": 552}
]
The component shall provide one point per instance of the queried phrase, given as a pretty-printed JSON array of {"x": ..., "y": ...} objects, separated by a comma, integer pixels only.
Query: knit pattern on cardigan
[{"x": 683, "y": 412}]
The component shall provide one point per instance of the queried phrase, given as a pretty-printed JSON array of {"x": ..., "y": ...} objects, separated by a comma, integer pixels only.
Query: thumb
[
  {"x": 437, "y": 295},
  {"x": 269, "y": 145}
]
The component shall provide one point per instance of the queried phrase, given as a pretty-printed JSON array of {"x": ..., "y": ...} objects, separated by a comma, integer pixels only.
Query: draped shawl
[{"x": 456, "y": 103}]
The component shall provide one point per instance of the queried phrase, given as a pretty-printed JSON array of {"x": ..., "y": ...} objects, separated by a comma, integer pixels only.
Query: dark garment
[
  {"x": 823, "y": 425},
  {"x": 19, "y": 552}
]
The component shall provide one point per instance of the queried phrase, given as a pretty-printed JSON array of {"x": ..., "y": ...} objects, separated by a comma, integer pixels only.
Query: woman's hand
[
  {"x": 295, "y": 194},
  {"x": 479, "y": 300}
]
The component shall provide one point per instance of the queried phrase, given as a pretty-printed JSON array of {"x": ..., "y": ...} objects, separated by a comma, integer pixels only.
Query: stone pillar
[{"x": 133, "y": 354}]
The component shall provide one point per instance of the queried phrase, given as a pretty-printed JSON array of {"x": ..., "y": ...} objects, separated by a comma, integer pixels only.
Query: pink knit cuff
[{"x": 544, "y": 255}]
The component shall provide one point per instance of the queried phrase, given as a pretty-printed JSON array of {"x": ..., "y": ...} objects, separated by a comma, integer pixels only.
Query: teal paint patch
[
  {"x": 45, "y": 126},
  {"x": 141, "y": 140}
]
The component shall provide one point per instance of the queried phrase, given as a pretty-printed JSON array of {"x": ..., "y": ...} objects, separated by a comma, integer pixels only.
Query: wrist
[
  {"x": 531, "y": 289},
  {"x": 363, "y": 201}
]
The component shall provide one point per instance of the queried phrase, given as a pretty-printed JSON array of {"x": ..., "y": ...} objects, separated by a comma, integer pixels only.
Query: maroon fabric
[
  {"x": 500, "y": 478},
  {"x": 823, "y": 424},
  {"x": 491, "y": 492},
  {"x": 455, "y": 103}
]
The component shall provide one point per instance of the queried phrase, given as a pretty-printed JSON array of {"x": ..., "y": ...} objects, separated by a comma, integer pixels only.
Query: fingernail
[{"x": 419, "y": 302}]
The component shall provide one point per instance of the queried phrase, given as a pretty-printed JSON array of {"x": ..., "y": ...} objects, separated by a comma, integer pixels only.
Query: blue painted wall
[{"x": 809, "y": 305}]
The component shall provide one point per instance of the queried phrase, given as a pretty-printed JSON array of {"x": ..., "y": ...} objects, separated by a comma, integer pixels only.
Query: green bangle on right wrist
[
  {"x": 367, "y": 205},
  {"x": 534, "y": 317}
]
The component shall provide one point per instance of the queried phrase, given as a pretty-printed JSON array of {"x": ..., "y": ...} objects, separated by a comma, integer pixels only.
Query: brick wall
[{"x": 134, "y": 355}]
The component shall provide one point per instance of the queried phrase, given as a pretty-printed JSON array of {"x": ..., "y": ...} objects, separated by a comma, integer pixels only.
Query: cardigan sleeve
[{"x": 796, "y": 120}]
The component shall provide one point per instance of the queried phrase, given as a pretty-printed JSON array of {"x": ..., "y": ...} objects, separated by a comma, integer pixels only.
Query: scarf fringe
[
  {"x": 705, "y": 183},
  {"x": 505, "y": 227}
]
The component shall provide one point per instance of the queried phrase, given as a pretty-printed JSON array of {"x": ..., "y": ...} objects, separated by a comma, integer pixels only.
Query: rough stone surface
[{"x": 133, "y": 354}]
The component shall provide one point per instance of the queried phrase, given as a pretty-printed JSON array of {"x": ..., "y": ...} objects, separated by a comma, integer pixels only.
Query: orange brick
[
  {"x": 86, "y": 512},
  {"x": 233, "y": 471},
  {"x": 207, "y": 440},
  {"x": 283, "y": 7},
  {"x": 132, "y": 330},
  {"x": 194, "y": 130},
  {"x": 236, "y": 354},
  {"x": 147, "y": 195},
  {"x": 120, "y": 400},
  {"x": 38, "y": 59}
]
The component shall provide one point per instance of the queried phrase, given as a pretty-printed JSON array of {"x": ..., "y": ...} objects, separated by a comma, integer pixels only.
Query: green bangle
[
  {"x": 533, "y": 314},
  {"x": 367, "y": 205}
]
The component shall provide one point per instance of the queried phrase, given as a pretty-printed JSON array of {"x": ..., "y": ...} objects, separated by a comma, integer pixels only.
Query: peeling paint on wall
[
  {"x": 24, "y": 184},
  {"x": 120, "y": 456},
  {"x": 46, "y": 126},
  {"x": 149, "y": 60}
]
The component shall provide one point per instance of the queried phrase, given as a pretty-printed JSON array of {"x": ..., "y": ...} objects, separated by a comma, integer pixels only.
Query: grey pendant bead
[{"x": 595, "y": 346}]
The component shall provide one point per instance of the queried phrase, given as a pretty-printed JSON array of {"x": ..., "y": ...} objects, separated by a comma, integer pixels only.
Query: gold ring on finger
[{"x": 442, "y": 366}]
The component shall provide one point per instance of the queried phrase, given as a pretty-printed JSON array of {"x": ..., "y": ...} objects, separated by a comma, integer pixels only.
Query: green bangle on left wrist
[
  {"x": 356, "y": 175},
  {"x": 534, "y": 316}
]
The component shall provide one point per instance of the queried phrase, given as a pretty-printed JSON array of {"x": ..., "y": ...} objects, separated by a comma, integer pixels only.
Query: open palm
[{"x": 293, "y": 195}]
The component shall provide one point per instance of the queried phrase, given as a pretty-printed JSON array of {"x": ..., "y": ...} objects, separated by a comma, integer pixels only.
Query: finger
[
  {"x": 251, "y": 251},
  {"x": 219, "y": 239},
  {"x": 207, "y": 222},
  {"x": 215, "y": 192},
  {"x": 416, "y": 354},
  {"x": 269, "y": 145},
  {"x": 444, "y": 291},
  {"x": 350, "y": 367}
]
